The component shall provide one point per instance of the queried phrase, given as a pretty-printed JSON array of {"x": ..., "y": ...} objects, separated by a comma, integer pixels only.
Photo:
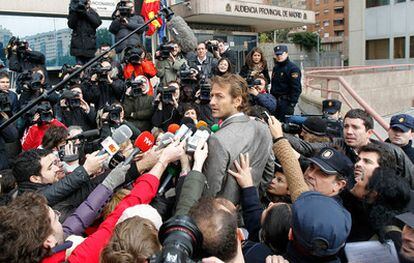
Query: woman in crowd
[{"x": 255, "y": 66}]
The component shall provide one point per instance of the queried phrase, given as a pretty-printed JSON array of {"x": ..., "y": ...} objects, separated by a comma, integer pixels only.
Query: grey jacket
[
  {"x": 167, "y": 70},
  {"x": 239, "y": 134},
  {"x": 404, "y": 164}
]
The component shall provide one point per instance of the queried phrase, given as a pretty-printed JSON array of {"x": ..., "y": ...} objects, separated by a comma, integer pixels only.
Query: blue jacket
[{"x": 286, "y": 78}]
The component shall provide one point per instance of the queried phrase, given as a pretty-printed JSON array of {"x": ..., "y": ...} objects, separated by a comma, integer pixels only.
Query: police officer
[
  {"x": 286, "y": 85},
  {"x": 331, "y": 110},
  {"x": 401, "y": 133}
]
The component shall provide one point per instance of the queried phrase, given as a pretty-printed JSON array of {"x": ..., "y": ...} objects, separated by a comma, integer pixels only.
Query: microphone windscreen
[
  {"x": 173, "y": 128},
  {"x": 215, "y": 127},
  {"x": 182, "y": 34},
  {"x": 201, "y": 124},
  {"x": 187, "y": 120},
  {"x": 144, "y": 141},
  {"x": 122, "y": 134}
]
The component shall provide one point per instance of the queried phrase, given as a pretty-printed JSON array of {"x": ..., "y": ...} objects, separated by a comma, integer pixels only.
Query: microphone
[
  {"x": 143, "y": 143},
  {"x": 201, "y": 124},
  {"x": 165, "y": 140},
  {"x": 173, "y": 128},
  {"x": 119, "y": 136},
  {"x": 182, "y": 34},
  {"x": 86, "y": 134},
  {"x": 199, "y": 137},
  {"x": 171, "y": 172},
  {"x": 215, "y": 127}
]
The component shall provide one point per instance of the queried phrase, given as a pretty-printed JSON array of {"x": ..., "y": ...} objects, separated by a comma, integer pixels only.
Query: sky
[{"x": 23, "y": 26}]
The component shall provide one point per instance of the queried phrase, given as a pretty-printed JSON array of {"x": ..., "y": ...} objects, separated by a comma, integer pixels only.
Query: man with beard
[{"x": 407, "y": 249}]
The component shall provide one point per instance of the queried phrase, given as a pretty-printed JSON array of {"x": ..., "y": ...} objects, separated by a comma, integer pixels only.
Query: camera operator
[
  {"x": 138, "y": 104},
  {"x": 259, "y": 96},
  {"x": 169, "y": 62},
  {"x": 9, "y": 134},
  {"x": 75, "y": 111},
  {"x": 113, "y": 116},
  {"x": 102, "y": 87},
  {"x": 137, "y": 64},
  {"x": 124, "y": 22},
  {"x": 166, "y": 106},
  {"x": 221, "y": 49},
  {"x": 22, "y": 58},
  {"x": 203, "y": 101},
  {"x": 42, "y": 119},
  {"x": 5, "y": 87},
  {"x": 111, "y": 58},
  {"x": 84, "y": 21},
  {"x": 203, "y": 62}
]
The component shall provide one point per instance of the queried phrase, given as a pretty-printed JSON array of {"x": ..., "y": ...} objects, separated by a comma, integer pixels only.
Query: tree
[
  {"x": 307, "y": 40},
  {"x": 103, "y": 36}
]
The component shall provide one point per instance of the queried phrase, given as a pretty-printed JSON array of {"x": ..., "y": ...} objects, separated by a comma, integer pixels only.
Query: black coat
[
  {"x": 408, "y": 149},
  {"x": 120, "y": 30},
  {"x": 84, "y": 25},
  {"x": 27, "y": 61},
  {"x": 286, "y": 81},
  {"x": 102, "y": 94},
  {"x": 79, "y": 117},
  {"x": 9, "y": 135}
]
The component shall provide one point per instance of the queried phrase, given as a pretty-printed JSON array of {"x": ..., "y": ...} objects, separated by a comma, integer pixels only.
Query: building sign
[
  {"x": 105, "y": 8},
  {"x": 266, "y": 11}
]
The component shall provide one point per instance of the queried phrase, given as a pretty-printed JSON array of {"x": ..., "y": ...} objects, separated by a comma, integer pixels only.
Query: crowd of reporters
[{"x": 117, "y": 166}]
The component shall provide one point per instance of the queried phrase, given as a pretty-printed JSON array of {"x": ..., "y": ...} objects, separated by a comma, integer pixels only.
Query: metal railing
[{"x": 333, "y": 74}]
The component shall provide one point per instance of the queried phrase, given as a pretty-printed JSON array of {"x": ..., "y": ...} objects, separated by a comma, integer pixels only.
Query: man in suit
[{"x": 238, "y": 134}]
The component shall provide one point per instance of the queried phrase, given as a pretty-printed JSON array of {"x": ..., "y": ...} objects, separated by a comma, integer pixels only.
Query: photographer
[
  {"x": 103, "y": 87},
  {"x": 124, "y": 22},
  {"x": 203, "y": 62},
  {"x": 84, "y": 21},
  {"x": 221, "y": 49},
  {"x": 259, "y": 96},
  {"x": 22, "y": 58},
  {"x": 138, "y": 104},
  {"x": 43, "y": 118},
  {"x": 75, "y": 111},
  {"x": 5, "y": 87},
  {"x": 169, "y": 62},
  {"x": 166, "y": 103}
]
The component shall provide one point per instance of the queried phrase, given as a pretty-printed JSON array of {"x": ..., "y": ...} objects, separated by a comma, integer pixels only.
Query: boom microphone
[
  {"x": 143, "y": 143},
  {"x": 119, "y": 136},
  {"x": 86, "y": 134},
  {"x": 182, "y": 34}
]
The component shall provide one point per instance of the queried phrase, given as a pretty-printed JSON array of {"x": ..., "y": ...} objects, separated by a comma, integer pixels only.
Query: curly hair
[
  {"x": 388, "y": 196},
  {"x": 133, "y": 240},
  {"x": 249, "y": 58},
  {"x": 386, "y": 158},
  {"x": 54, "y": 136},
  {"x": 24, "y": 226}
]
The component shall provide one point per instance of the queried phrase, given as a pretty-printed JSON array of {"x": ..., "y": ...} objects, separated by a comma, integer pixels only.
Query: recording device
[
  {"x": 78, "y": 5},
  {"x": 167, "y": 94},
  {"x": 124, "y": 10},
  {"x": 67, "y": 70},
  {"x": 36, "y": 82},
  {"x": 165, "y": 140},
  {"x": 165, "y": 50},
  {"x": 181, "y": 132},
  {"x": 45, "y": 112},
  {"x": 29, "y": 82},
  {"x": 173, "y": 128},
  {"x": 187, "y": 73},
  {"x": 5, "y": 103},
  {"x": 136, "y": 86},
  {"x": 180, "y": 239},
  {"x": 119, "y": 136},
  {"x": 114, "y": 113},
  {"x": 265, "y": 116},
  {"x": 101, "y": 72},
  {"x": 291, "y": 128},
  {"x": 215, "y": 128},
  {"x": 22, "y": 46},
  {"x": 86, "y": 135},
  {"x": 134, "y": 55},
  {"x": 212, "y": 45},
  {"x": 182, "y": 34},
  {"x": 205, "y": 90},
  {"x": 200, "y": 137},
  {"x": 72, "y": 99},
  {"x": 113, "y": 162},
  {"x": 251, "y": 81},
  {"x": 143, "y": 143}
]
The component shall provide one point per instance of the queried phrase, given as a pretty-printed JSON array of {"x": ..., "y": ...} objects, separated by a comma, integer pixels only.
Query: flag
[
  {"x": 149, "y": 9},
  {"x": 162, "y": 32}
]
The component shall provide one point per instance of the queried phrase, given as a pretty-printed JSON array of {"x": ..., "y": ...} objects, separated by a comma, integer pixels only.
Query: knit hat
[{"x": 315, "y": 125}]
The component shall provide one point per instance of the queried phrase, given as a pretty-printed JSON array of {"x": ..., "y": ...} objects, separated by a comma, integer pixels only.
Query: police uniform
[
  {"x": 286, "y": 85},
  {"x": 334, "y": 127},
  {"x": 404, "y": 122}
]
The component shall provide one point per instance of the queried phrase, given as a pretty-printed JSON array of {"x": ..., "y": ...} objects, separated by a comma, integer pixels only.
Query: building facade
[
  {"x": 331, "y": 24},
  {"x": 382, "y": 32}
]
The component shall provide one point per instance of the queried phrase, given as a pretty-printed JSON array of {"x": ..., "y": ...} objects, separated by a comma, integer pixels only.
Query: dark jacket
[
  {"x": 102, "y": 94},
  {"x": 120, "y": 30},
  {"x": 14, "y": 101},
  {"x": 8, "y": 135},
  {"x": 286, "y": 81},
  {"x": 84, "y": 25},
  {"x": 404, "y": 165},
  {"x": 26, "y": 61},
  {"x": 168, "y": 115},
  {"x": 79, "y": 117},
  {"x": 138, "y": 111},
  {"x": 252, "y": 211},
  {"x": 205, "y": 114},
  {"x": 206, "y": 67},
  {"x": 408, "y": 149},
  {"x": 246, "y": 71},
  {"x": 265, "y": 100}
]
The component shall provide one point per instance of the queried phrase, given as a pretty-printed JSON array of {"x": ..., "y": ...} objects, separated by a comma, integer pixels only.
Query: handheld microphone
[
  {"x": 200, "y": 136},
  {"x": 215, "y": 127},
  {"x": 143, "y": 143},
  {"x": 173, "y": 128},
  {"x": 165, "y": 140},
  {"x": 119, "y": 136},
  {"x": 201, "y": 124},
  {"x": 86, "y": 134},
  {"x": 181, "y": 132}
]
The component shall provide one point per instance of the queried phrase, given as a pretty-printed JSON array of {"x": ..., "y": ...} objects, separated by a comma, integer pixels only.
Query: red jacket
[
  {"x": 34, "y": 135},
  {"x": 144, "y": 191},
  {"x": 146, "y": 68}
]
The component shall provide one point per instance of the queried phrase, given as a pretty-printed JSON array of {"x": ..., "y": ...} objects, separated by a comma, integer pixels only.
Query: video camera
[
  {"x": 29, "y": 82},
  {"x": 72, "y": 99},
  {"x": 44, "y": 111},
  {"x": 167, "y": 94},
  {"x": 187, "y": 73},
  {"x": 67, "y": 70},
  {"x": 134, "y": 55},
  {"x": 123, "y": 10},
  {"x": 22, "y": 46},
  {"x": 136, "y": 86},
  {"x": 165, "y": 50},
  {"x": 78, "y": 5},
  {"x": 212, "y": 45},
  {"x": 251, "y": 81},
  {"x": 114, "y": 113},
  {"x": 180, "y": 238},
  {"x": 101, "y": 72},
  {"x": 205, "y": 89},
  {"x": 5, "y": 103}
]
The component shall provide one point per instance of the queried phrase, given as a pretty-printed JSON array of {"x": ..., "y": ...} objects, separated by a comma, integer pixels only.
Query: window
[
  {"x": 339, "y": 10},
  {"x": 317, "y": 2},
  {"x": 339, "y": 33},
  {"x": 399, "y": 1},
  {"x": 374, "y": 3},
  {"x": 412, "y": 47},
  {"x": 325, "y": 1},
  {"x": 399, "y": 47},
  {"x": 325, "y": 34},
  {"x": 338, "y": 22},
  {"x": 326, "y": 23},
  {"x": 377, "y": 49},
  {"x": 326, "y": 11},
  {"x": 317, "y": 24}
]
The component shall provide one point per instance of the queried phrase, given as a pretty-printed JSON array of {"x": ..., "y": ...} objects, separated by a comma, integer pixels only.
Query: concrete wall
[{"x": 356, "y": 32}]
